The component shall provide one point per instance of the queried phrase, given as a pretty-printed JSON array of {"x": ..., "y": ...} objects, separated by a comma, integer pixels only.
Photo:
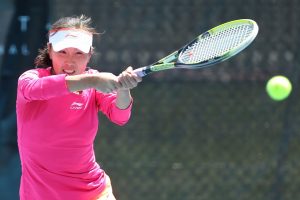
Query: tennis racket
[{"x": 211, "y": 47}]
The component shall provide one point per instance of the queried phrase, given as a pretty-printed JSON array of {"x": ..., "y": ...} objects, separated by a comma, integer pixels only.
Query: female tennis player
[{"x": 57, "y": 116}]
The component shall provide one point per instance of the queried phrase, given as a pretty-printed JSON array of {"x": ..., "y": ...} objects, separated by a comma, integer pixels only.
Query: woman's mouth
[{"x": 69, "y": 72}]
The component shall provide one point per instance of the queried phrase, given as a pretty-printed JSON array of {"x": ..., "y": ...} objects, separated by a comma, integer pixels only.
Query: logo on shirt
[{"x": 76, "y": 106}]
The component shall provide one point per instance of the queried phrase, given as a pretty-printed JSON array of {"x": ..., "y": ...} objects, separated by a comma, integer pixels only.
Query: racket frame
[{"x": 171, "y": 61}]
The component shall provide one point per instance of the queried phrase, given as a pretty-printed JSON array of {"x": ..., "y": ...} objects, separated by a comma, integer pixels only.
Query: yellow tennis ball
[{"x": 279, "y": 87}]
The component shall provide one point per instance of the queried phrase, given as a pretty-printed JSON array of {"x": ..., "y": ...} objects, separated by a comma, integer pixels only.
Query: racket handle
[{"x": 141, "y": 72}]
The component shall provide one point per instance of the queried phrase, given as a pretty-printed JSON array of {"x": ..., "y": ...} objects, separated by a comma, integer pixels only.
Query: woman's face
[{"x": 70, "y": 61}]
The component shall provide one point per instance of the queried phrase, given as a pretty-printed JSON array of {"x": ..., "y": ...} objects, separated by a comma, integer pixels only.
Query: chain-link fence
[{"x": 204, "y": 140}]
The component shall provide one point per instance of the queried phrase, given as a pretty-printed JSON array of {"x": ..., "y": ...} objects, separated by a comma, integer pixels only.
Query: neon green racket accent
[
  {"x": 170, "y": 58},
  {"x": 163, "y": 66}
]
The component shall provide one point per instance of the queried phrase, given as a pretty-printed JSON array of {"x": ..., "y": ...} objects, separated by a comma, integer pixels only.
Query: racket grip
[{"x": 141, "y": 72}]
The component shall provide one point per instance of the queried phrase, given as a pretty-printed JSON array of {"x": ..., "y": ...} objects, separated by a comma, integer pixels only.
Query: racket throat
[{"x": 141, "y": 72}]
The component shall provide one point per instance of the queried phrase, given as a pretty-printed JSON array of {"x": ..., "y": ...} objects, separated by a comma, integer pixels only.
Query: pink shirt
[{"x": 56, "y": 131}]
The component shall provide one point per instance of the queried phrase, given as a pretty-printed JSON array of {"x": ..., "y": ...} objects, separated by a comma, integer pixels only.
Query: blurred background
[{"x": 209, "y": 134}]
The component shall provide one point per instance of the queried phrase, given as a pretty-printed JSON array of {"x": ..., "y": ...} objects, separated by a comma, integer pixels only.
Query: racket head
[{"x": 218, "y": 44}]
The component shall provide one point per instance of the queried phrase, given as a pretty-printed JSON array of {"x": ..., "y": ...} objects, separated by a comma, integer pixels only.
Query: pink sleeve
[
  {"x": 107, "y": 105},
  {"x": 33, "y": 87}
]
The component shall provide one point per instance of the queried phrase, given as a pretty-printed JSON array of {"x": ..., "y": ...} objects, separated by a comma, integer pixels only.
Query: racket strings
[{"x": 215, "y": 45}]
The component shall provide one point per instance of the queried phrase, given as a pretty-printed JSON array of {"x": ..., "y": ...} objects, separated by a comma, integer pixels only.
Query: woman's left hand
[{"x": 128, "y": 79}]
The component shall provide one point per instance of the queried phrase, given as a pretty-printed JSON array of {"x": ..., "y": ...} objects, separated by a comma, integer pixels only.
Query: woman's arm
[
  {"x": 107, "y": 82},
  {"x": 102, "y": 81}
]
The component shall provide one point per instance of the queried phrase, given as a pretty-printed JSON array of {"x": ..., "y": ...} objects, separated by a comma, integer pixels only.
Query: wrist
[{"x": 124, "y": 98}]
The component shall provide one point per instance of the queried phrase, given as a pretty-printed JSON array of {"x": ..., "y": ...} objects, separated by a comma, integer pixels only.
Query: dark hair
[{"x": 77, "y": 22}]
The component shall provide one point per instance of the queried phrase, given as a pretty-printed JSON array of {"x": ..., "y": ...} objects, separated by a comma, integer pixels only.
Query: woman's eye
[{"x": 62, "y": 52}]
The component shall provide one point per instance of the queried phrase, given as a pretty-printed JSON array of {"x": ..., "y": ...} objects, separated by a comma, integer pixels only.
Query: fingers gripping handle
[{"x": 141, "y": 72}]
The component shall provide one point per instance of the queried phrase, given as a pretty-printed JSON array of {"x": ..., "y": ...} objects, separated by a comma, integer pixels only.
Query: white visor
[{"x": 75, "y": 38}]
